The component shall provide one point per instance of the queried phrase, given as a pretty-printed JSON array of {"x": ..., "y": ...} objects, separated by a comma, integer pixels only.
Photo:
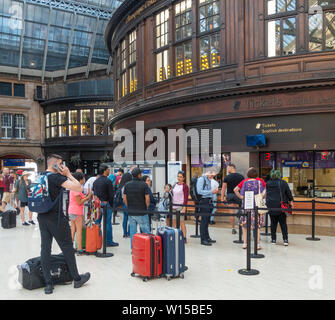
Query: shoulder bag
[
  {"x": 284, "y": 204},
  {"x": 259, "y": 200}
]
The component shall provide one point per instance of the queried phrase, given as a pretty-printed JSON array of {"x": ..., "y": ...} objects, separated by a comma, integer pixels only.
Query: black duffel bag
[
  {"x": 31, "y": 275},
  {"x": 8, "y": 219}
]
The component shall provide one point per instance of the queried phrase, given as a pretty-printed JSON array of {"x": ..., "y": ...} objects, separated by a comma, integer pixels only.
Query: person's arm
[
  {"x": 80, "y": 200},
  {"x": 237, "y": 192},
  {"x": 71, "y": 183},
  {"x": 147, "y": 200},
  {"x": 125, "y": 200},
  {"x": 223, "y": 190}
]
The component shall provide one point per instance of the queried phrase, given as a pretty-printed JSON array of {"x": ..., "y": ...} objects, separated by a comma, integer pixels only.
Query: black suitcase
[
  {"x": 8, "y": 220},
  {"x": 31, "y": 275}
]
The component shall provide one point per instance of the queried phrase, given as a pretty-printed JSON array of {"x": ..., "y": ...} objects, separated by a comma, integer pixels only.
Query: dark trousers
[
  {"x": 205, "y": 207},
  {"x": 50, "y": 229},
  {"x": 274, "y": 222}
]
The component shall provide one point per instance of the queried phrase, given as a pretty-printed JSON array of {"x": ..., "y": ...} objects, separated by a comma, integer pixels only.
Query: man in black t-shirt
[
  {"x": 52, "y": 225},
  {"x": 229, "y": 184}
]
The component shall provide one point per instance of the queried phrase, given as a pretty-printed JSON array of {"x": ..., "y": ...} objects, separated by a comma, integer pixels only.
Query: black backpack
[{"x": 193, "y": 189}]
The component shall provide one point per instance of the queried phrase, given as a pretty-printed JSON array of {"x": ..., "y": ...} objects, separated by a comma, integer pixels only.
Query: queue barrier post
[
  {"x": 256, "y": 255},
  {"x": 170, "y": 215},
  {"x": 104, "y": 253},
  {"x": 248, "y": 271},
  {"x": 196, "y": 211},
  {"x": 313, "y": 224}
]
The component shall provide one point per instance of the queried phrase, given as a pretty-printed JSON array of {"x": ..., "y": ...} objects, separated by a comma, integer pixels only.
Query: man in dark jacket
[
  {"x": 136, "y": 197},
  {"x": 104, "y": 190}
]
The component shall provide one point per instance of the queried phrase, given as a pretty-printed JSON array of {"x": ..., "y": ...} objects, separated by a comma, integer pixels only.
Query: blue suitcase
[{"x": 173, "y": 252}]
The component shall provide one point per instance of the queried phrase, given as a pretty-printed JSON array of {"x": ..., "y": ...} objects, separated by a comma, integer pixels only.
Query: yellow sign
[{"x": 147, "y": 4}]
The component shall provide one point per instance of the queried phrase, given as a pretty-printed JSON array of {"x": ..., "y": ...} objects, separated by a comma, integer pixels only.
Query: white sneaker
[{"x": 285, "y": 243}]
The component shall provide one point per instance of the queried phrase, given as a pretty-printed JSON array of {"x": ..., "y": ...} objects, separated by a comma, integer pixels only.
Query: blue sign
[
  {"x": 296, "y": 164},
  {"x": 14, "y": 162}
]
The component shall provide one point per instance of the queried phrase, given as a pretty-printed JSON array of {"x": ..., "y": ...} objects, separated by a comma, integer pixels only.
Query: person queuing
[
  {"x": 88, "y": 186},
  {"x": 8, "y": 182},
  {"x": 50, "y": 228},
  {"x": 204, "y": 189},
  {"x": 136, "y": 196},
  {"x": 2, "y": 186},
  {"x": 21, "y": 188},
  {"x": 76, "y": 212},
  {"x": 229, "y": 184},
  {"x": 125, "y": 224},
  {"x": 103, "y": 189},
  {"x": 153, "y": 202},
  {"x": 214, "y": 185},
  {"x": 257, "y": 186},
  {"x": 278, "y": 190},
  {"x": 180, "y": 193}
]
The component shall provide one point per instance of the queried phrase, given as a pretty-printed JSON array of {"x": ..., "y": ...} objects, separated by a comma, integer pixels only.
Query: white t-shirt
[
  {"x": 89, "y": 184},
  {"x": 214, "y": 184}
]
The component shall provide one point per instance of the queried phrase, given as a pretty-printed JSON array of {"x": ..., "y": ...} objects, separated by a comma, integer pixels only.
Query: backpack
[
  {"x": 193, "y": 189},
  {"x": 39, "y": 199},
  {"x": 118, "y": 200}
]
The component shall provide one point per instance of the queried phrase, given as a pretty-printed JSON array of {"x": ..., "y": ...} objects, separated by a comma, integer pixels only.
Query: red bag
[
  {"x": 93, "y": 239},
  {"x": 147, "y": 255},
  {"x": 284, "y": 204}
]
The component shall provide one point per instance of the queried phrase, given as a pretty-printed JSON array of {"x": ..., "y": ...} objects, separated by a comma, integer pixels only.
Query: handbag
[
  {"x": 284, "y": 204},
  {"x": 260, "y": 201}
]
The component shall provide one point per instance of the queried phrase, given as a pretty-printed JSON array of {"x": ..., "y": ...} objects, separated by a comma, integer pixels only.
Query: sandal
[
  {"x": 244, "y": 246},
  {"x": 259, "y": 248}
]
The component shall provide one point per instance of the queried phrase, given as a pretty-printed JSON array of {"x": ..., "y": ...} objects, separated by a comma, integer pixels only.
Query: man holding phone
[{"x": 48, "y": 222}]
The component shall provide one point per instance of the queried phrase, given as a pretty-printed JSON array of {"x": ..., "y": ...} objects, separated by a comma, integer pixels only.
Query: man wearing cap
[
  {"x": 136, "y": 198},
  {"x": 21, "y": 190}
]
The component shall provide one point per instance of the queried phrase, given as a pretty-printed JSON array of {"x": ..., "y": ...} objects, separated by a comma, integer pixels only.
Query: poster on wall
[
  {"x": 286, "y": 172},
  {"x": 173, "y": 168}
]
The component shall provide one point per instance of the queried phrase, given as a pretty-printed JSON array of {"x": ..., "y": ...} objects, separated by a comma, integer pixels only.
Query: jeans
[
  {"x": 215, "y": 198},
  {"x": 206, "y": 207},
  {"x": 125, "y": 225},
  {"x": 109, "y": 229},
  {"x": 50, "y": 229},
  {"x": 142, "y": 221},
  {"x": 274, "y": 222}
]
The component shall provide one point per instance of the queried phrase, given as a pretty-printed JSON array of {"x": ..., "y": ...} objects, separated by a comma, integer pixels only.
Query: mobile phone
[{"x": 56, "y": 167}]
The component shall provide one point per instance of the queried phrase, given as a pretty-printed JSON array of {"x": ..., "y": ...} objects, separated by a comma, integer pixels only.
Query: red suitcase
[{"x": 147, "y": 256}]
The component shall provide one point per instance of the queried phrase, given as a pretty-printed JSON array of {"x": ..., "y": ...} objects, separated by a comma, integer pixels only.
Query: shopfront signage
[
  {"x": 14, "y": 162},
  {"x": 296, "y": 164},
  {"x": 147, "y": 4}
]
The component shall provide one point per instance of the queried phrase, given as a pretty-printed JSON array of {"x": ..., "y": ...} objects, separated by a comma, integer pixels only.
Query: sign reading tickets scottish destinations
[{"x": 147, "y": 4}]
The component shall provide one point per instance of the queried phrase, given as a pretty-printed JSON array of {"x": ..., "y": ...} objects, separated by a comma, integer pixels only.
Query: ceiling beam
[
  {"x": 74, "y": 17},
  {"x": 46, "y": 45},
  {"x": 22, "y": 38}
]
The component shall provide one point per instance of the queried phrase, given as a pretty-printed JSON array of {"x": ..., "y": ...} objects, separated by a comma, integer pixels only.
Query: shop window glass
[
  {"x": 54, "y": 132},
  {"x": 85, "y": 121},
  {"x": 210, "y": 51},
  {"x": 73, "y": 123},
  {"x": 132, "y": 47},
  {"x": 132, "y": 79},
  {"x": 163, "y": 71},
  {"x": 162, "y": 29},
  {"x": 209, "y": 15},
  {"x": 62, "y": 124},
  {"x": 99, "y": 122},
  {"x": 280, "y": 6},
  {"x": 183, "y": 20},
  {"x": 325, "y": 174},
  {"x": 184, "y": 59}
]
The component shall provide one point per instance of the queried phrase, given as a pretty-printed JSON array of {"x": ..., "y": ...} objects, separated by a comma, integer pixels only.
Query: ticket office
[{"x": 309, "y": 173}]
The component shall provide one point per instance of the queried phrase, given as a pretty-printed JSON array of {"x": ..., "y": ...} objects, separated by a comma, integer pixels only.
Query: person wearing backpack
[
  {"x": 21, "y": 190},
  {"x": 54, "y": 224},
  {"x": 204, "y": 190}
]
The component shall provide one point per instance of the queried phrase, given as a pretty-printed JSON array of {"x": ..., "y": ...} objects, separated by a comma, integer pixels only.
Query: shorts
[
  {"x": 232, "y": 198},
  {"x": 23, "y": 204},
  {"x": 73, "y": 217},
  {"x": 6, "y": 197}
]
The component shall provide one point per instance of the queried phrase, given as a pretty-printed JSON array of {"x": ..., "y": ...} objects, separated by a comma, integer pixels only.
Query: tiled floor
[{"x": 304, "y": 270}]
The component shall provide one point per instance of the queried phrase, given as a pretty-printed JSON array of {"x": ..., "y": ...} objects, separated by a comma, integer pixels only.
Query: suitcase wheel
[
  {"x": 145, "y": 279},
  {"x": 168, "y": 278},
  {"x": 181, "y": 275},
  {"x": 132, "y": 274}
]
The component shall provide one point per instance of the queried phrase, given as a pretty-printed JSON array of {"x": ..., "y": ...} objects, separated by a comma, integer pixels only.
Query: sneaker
[
  {"x": 25, "y": 224},
  {"x": 273, "y": 241},
  {"x": 286, "y": 243},
  {"x": 113, "y": 244},
  {"x": 233, "y": 231},
  {"x": 83, "y": 279},
  {"x": 49, "y": 289},
  {"x": 212, "y": 222},
  {"x": 32, "y": 222},
  {"x": 80, "y": 252}
]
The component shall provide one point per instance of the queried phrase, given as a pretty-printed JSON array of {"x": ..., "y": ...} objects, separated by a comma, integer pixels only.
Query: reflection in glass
[
  {"x": 289, "y": 36},
  {"x": 183, "y": 20},
  {"x": 330, "y": 30},
  {"x": 133, "y": 79},
  {"x": 162, "y": 29},
  {"x": 85, "y": 120},
  {"x": 184, "y": 59},
  {"x": 280, "y": 6},
  {"x": 209, "y": 14},
  {"x": 273, "y": 30},
  {"x": 99, "y": 122},
  {"x": 62, "y": 123},
  {"x": 132, "y": 47},
  {"x": 210, "y": 51},
  {"x": 315, "y": 32}
]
